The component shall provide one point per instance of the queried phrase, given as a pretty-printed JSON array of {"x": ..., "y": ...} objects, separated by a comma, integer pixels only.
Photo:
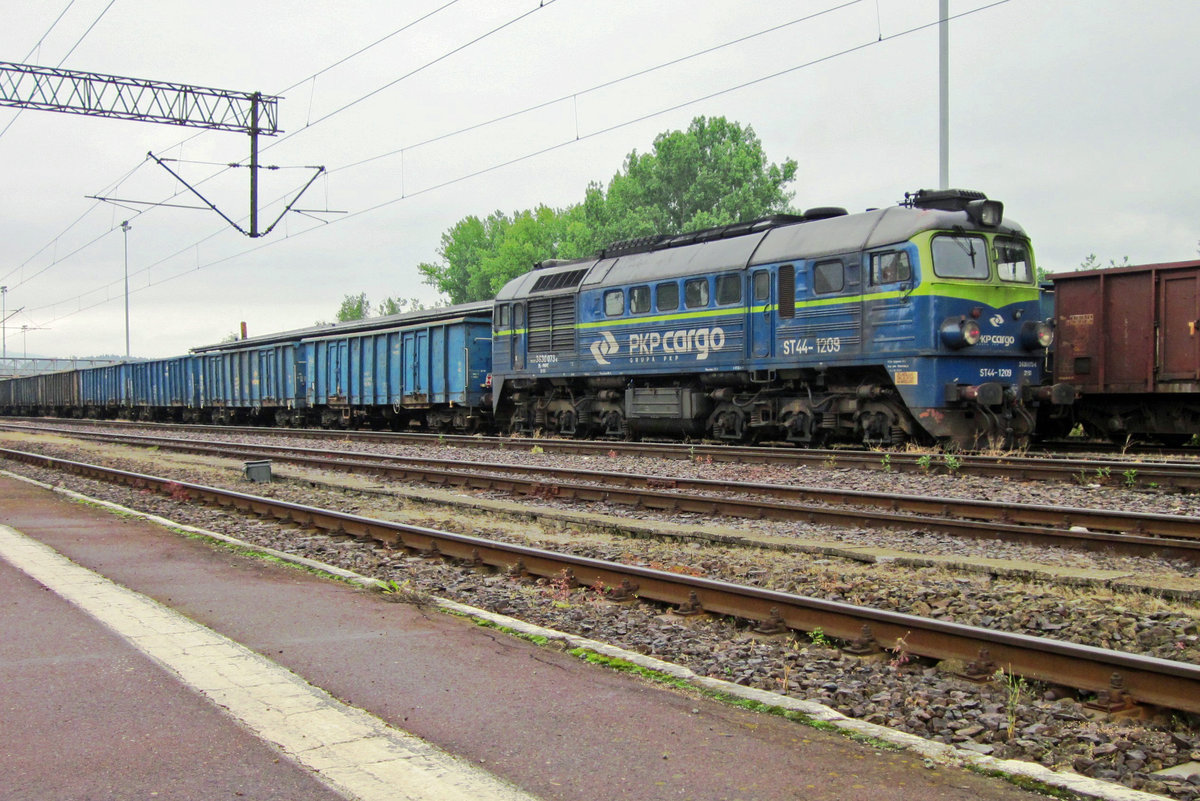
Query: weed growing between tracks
[
  {"x": 683, "y": 685},
  {"x": 1024, "y": 782}
]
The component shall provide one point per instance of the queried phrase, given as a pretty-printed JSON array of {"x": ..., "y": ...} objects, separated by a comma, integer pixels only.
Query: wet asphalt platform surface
[{"x": 86, "y": 714}]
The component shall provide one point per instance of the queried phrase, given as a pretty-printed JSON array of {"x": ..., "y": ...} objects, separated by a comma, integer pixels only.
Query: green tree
[
  {"x": 354, "y": 307},
  {"x": 714, "y": 173},
  {"x": 400, "y": 305},
  {"x": 480, "y": 256}
]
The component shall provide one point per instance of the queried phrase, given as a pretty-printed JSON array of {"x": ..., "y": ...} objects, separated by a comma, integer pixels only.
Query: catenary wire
[
  {"x": 531, "y": 155},
  {"x": 78, "y": 42},
  {"x": 442, "y": 57}
]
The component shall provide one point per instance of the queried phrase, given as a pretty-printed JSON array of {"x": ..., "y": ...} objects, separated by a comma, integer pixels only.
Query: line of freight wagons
[{"x": 428, "y": 367}]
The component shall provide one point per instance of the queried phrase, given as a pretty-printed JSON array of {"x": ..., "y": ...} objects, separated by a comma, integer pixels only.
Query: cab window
[
  {"x": 695, "y": 293},
  {"x": 890, "y": 267},
  {"x": 762, "y": 285},
  {"x": 960, "y": 257},
  {"x": 639, "y": 300},
  {"x": 1012, "y": 261},
  {"x": 729, "y": 289},
  {"x": 828, "y": 276},
  {"x": 502, "y": 318},
  {"x": 614, "y": 303},
  {"x": 668, "y": 296}
]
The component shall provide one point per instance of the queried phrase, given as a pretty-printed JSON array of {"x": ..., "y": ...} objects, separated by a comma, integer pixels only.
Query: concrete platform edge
[{"x": 937, "y": 752}]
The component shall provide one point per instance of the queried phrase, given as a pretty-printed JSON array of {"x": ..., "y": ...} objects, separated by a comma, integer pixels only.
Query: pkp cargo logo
[
  {"x": 996, "y": 320},
  {"x": 603, "y": 348}
]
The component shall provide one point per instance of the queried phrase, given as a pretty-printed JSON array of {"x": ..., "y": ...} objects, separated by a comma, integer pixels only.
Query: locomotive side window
[
  {"x": 668, "y": 296},
  {"x": 695, "y": 293},
  {"x": 960, "y": 257},
  {"x": 519, "y": 316},
  {"x": 762, "y": 285},
  {"x": 1012, "y": 261},
  {"x": 614, "y": 303},
  {"x": 828, "y": 276},
  {"x": 639, "y": 300},
  {"x": 729, "y": 289},
  {"x": 888, "y": 268},
  {"x": 502, "y": 318}
]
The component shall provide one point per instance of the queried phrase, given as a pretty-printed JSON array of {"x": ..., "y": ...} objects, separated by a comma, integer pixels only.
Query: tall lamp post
[
  {"x": 125, "y": 226},
  {"x": 4, "y": 320}
]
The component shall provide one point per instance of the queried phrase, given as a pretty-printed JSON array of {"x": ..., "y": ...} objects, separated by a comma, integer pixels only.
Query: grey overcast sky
[{"x": 1080, "y": 116}]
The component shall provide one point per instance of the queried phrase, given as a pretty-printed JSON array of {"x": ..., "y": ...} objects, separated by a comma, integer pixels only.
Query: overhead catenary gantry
[{"x": 97, "y": 95}]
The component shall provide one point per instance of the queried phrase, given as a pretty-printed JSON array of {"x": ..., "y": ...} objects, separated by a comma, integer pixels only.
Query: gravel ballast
[{"x": 1006, "y": 718}]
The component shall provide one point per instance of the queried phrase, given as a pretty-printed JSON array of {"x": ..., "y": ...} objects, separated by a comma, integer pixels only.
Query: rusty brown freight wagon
[{"x": 1127, "y": 340}]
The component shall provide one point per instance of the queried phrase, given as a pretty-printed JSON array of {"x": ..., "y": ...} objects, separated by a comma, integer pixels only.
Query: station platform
[{"x": 140, "y": 663}]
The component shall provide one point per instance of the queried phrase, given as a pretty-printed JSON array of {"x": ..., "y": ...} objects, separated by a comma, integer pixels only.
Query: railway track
[
  {"x": 1181, "y": 475},
  {"x": 1135, "y": 533},
  {"x": 1119, "y": 678}
]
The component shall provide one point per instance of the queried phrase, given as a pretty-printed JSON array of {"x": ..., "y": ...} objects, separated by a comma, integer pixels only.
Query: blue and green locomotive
[
  {"x": 915, "y": 323},
  {"x": 919, "y": 322}
]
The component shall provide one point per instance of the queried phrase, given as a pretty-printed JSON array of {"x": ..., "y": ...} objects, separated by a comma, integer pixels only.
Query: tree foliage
[
  {"x": 714, "y": 173},
  {"x": 354, "y": 307},
  {"x": 358, "y": 307},
  {"x": 1093, "y": 263}
]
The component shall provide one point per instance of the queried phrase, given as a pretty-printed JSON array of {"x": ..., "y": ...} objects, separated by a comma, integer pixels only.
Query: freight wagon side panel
[
  {"x": 415, "y": 382},
  {"x": 462, "y": 361},
  {"x": 269, "y": 376},
  {"x": 292, "y": 376},
  {"x": 280, "y": 376},
  {"x": 62, "y": 389},
  {"x": 440, "y": 363},
  {"x": 383, "y": 369},
  {"x": 1129, "y": 330},
  {"x": 327, "y": 371},
  {"x": 1106, "y": 332},
  {"x": 1179, "y": 340}
]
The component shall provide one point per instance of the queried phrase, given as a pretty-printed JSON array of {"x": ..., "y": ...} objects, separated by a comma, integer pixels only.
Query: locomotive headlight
[
  {"x": 959, "y": 332},
  {"x": 970, "y": 332},
  {"x": 1036, "y": 335},
  {"x": 986, "y": 212}
]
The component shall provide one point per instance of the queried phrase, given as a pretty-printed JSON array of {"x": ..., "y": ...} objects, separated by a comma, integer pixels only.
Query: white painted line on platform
[{"x": 350, "y": 750}]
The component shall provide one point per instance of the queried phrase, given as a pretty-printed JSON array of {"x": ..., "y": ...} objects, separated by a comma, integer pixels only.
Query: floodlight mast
[{"x": 97, "y": 95}]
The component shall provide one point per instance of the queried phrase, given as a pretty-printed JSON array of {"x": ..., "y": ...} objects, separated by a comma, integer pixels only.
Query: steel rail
[
  {"x": 1144, "y": 679},
  {"x": 1169, "y": 536},
  {"x": 1179, "y": 475}
]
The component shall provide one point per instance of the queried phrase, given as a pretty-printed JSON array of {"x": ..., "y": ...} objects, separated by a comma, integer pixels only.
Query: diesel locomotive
[{"x": 919, "y": 322}]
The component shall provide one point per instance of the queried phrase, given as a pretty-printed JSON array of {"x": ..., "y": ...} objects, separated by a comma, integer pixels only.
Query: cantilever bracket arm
[{"x": 253, "y": 233}]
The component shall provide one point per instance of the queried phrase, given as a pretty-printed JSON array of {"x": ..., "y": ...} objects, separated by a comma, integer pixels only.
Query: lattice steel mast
[{"x": 93, "y": 94}]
